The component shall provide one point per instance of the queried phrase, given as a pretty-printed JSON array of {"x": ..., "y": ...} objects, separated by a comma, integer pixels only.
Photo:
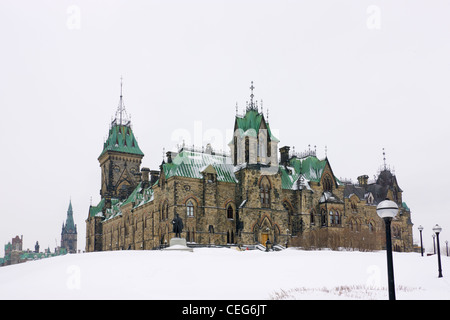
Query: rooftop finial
[
  {"x": 121, "y": 81},
  {"x": 384, "y": 159},
  {"x": 252, "y": 105},
  {"x": 121, "y": 115}
]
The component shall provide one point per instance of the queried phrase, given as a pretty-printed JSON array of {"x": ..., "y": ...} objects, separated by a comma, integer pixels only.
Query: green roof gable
[
  {"x": 121, "y": 139},
  {"x": 310, "y": 167},
  {"x": 251, "y": 123}
]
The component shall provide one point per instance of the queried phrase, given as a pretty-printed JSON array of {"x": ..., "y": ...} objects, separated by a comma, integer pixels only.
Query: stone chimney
[
  {"x": 170, "y": 155},
  {"x": 145, "y": 174},
  {"x": 362, "y": 180},
  {"x": 284, "y": 155},
  {"x": 154, "y": 176}
]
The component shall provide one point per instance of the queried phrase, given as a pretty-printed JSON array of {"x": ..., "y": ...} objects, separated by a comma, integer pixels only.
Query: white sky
[{"x": 355, "y": 76}]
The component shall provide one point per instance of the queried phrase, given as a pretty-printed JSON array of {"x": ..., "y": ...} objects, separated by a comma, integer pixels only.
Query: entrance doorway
[{"x": 264, "y": 238}]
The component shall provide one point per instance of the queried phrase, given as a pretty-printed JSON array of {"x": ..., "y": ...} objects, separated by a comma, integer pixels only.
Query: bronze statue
[{"x": 177, "y": 226}]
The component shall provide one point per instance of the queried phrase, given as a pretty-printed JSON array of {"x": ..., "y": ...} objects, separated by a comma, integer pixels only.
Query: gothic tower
[
  {"x": 254, "y": 153},
  {"x": 120, "y": 159},
  {"x": 69, "y": 232},
  {"x": 253, "y": 142}
]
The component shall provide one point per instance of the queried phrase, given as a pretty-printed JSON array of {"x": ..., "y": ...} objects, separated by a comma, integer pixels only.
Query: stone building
[
  {"x": 258, "y": 193},
  {"x": 69, "y": 232}
]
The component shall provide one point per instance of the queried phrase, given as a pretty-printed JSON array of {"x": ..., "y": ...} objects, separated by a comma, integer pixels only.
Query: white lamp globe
[
  {"x": 437, "y": 229},
  {"x": 387, "y": 209}
]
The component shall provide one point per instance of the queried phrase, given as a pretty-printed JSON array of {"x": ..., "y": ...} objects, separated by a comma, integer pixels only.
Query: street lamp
[
  {"x": 446, "y": 246},
  {"x": 421, "y": 244},
  {"x": 388, "y": 209},
  {"x": 437, "y": 229},
  {"x": 434, "y": 243}
]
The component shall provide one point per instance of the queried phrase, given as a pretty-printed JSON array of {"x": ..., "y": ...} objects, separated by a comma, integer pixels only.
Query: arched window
[
  {"x": 327, "y": 184},
  {"x": 323, "y": 218},
  {"x": 354, "y": 207},
  {"x": 371, "y": 228},
  {"x": 287, "y": 207},
  {"x": 230, "y": 212},
  {"x": 311, "y": 217},
  {"x": 190, "y": 209},
  {"x": 396, "y": 232},
  {"x": 165, "y": 210},
  {"x": 265, "y": 192},
  {"x": 334, "y": 218},
  {"x": 247, "y": 149},
  {"x": 354, "y": 226}
]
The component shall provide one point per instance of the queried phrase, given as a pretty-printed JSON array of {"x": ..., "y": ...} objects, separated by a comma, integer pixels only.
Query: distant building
[
  {"x": 15, "y": 254},
  {"x": 69, "y": 232}
]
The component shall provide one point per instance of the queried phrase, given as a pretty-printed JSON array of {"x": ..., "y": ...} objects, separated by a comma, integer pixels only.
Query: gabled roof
[
  {"x": 250, "y": 124},
  {"x": 191, "y": 164},
  {"x": 121, "y": 139},
  {"x": 311, "y": 168}
]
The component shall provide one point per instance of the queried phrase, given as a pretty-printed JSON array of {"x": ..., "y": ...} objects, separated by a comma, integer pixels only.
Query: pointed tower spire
[{"x": 122, "y": 117}]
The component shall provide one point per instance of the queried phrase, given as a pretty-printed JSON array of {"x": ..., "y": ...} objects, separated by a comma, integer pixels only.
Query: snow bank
[{"x": 225, "y": 274}]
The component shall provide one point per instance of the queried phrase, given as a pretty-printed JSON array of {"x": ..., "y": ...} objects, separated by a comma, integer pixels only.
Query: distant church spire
[{"x": 69, "y": 232}]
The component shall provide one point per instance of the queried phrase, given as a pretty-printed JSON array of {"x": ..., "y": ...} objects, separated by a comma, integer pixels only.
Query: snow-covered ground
[{"x": 224, "y": 274}]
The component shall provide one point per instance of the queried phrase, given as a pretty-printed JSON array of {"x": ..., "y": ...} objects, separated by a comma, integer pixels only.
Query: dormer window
[
  {"x": 209, "y": 174},
  {"x": 211, "y": 177}
]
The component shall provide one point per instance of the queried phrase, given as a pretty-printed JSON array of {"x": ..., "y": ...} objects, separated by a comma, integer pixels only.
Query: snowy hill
[{"x": 225, "y": 274}]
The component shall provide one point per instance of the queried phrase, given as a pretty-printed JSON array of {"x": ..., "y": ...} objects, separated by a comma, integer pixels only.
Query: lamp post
[
  {"x": 388, "y": 209},
  {"x": 421, "y": 244},
  {"x": 446, "y": 246},
  {"x": 437, "y": 229},
  {"x": 434, "y": 243}
]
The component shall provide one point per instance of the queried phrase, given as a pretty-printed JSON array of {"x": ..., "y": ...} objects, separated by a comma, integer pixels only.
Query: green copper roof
[
  {"x": 405, "y": 206},
  {"x": 251, "y": 123},
  {"x": 96, "y": 211},
  {"x": 121, "y": 139},
  {"x": 191, "y": 164},
  {"x": 310, "y": 167}
]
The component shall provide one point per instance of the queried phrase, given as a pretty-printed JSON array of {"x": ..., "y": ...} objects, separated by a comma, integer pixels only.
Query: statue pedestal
[{"x": 179, "y": 244}]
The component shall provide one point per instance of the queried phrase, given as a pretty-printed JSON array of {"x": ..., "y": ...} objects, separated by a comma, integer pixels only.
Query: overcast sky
[{"x": 354, "y": 76}]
